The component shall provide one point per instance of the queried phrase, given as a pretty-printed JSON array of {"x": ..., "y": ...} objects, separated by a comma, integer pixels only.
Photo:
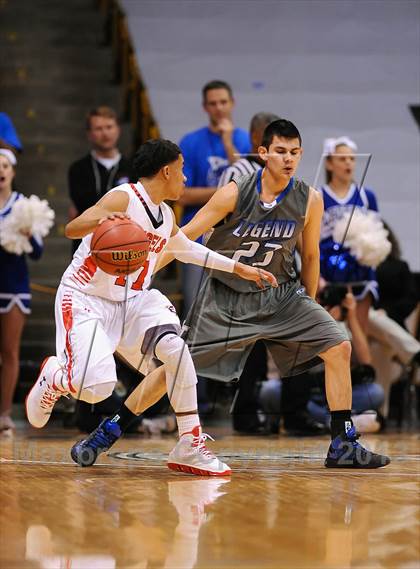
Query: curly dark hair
[{"x": 154, "y": 155}]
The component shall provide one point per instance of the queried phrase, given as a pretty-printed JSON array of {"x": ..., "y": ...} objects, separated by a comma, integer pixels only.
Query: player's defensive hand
[
  {"x": 114, "y": 215},
  {"x": 259, "y": 276}
]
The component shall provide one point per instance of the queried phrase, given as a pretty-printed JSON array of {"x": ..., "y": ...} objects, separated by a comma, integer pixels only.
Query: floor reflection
[
  {"x": 281, "y": 513},
  {"x": 154, "y": 526}
]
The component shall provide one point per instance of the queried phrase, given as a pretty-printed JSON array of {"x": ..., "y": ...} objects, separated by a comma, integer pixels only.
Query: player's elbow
[{"x": 70, "y": 231}]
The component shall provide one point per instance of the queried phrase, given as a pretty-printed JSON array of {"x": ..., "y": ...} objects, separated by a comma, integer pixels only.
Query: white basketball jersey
[{"x": 83, "y": 273}]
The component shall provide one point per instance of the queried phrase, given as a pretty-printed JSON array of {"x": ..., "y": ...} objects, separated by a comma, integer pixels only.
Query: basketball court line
[{"x": 253, "y": 471}]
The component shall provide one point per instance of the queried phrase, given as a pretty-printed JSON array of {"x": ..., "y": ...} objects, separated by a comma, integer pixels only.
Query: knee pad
[
  {"x": 97, "y": 393},
  {"x": 173, "y": 352}
]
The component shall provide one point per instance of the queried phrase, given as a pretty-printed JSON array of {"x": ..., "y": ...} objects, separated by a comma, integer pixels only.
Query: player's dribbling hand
[
  {"x": 114, "y": 215},
  {"x": 259, "y": 276}
]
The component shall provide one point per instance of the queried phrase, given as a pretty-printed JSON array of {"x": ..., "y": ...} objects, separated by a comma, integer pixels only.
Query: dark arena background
[{"x": 83, "y": 85}]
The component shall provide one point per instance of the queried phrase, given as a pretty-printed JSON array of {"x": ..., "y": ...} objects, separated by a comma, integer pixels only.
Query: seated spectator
[
  {"x": 102, "y": 168},
  {"x": 8, "y": 136},
  {"x": 342, "y": 195},
  {"x": 392, "y": 348},
  {"x": 397, "y": 288},
  {"x": 302, "y": 400},
  {"x": 15, "y": 294}
]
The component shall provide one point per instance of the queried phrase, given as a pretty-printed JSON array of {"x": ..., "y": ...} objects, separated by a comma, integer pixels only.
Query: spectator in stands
[
  {"x": 342, "y": 195},
  {"x": 14, "y": 295},
  {"x": 305, "y": 409},
  {"x": 102, "y": 168},
  {"x": 393, "y": 348},
  {"x": 397, "y": 288},
  {"x": 207, "y": 152},
  {"x": 89, "y": 178},
  {"x": 8, "y": 135}
]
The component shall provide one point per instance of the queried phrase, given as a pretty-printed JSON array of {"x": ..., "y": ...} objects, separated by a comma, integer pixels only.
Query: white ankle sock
[{"x": 186, "y": 423}]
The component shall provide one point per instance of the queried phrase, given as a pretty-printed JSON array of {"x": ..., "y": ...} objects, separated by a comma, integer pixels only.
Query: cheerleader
[
  {"x": 14, "y": 294},
  {"x": 341, "y": 196}
]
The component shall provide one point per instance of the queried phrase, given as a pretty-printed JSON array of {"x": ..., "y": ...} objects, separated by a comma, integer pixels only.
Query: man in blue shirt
[{"x": 207, "y": 152}]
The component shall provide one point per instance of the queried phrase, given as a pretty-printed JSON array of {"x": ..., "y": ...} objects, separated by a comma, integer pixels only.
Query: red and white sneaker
[
  {"x": 191, "y": 456},
  {"x": 44, "y": 393},
  {"x": 190, "y": 497}
]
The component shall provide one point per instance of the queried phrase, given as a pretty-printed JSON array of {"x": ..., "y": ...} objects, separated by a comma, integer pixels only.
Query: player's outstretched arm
[
  {"x": 310, "y": 242},
  {"x": 216, "y": 209},
  {"x": 111, "y": 206}
]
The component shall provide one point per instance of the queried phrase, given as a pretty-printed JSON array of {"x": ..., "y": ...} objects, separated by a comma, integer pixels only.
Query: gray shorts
[{"x": 224, "y": 325}]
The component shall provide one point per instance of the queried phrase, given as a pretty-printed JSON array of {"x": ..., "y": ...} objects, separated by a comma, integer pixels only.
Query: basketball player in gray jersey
[{"x": 266, "y": 215}]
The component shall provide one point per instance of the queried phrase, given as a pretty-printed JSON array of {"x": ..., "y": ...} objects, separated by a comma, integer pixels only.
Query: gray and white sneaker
[{"x": 191, "y": 456}]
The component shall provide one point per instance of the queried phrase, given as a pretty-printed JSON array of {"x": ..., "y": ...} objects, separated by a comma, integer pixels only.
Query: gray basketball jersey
[{"x": 261, "y": 236}]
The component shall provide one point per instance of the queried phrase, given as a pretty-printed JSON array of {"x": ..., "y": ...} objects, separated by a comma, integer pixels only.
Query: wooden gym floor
[{"x": 280, "y": 508}]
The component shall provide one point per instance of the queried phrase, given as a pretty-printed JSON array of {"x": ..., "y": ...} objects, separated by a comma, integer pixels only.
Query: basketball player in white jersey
[{"x": 98, "y": 314}]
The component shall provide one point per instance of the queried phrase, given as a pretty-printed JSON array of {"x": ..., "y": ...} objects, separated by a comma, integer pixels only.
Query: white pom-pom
[
  {"x": 42, "y": 217},
  {"x": 365, "y": 236},
  {"x": 28, "y": 215}
]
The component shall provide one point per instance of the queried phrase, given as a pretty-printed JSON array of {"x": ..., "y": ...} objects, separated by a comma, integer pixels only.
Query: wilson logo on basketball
[{"x": 127, "y": 255}]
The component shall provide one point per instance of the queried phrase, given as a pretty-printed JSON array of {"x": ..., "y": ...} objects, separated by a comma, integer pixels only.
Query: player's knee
[
  {"x": 97, "y": 393},
  {"x": 170, "y": 347},
  {"x": 340, "y": 352},
  {"x": 173, "y": 352}
]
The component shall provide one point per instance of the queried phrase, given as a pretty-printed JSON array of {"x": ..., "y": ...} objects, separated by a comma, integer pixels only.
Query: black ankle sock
[
  {"x": 123, "y": 417},
  {"x": 338, "y": 422}
]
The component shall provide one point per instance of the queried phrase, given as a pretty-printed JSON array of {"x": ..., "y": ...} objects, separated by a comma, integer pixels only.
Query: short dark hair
[
  {"x": 102, "y": 111},
  {"x": 154, "y": 155},
  {"x": 282, "y": 128},
  {"x": 216, "y": 84},
  {"x": 262, "y": 120}
]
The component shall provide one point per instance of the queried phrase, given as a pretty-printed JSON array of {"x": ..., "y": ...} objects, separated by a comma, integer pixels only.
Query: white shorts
[{"x": 90, "y": 329}]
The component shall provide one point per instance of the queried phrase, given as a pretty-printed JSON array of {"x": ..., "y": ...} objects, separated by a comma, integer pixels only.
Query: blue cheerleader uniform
[
  {"x": 338, "y": 265},
  {"x": 14, "y": 274}
]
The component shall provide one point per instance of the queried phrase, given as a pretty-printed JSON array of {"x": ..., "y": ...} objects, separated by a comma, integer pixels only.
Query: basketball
[{"x": 119, "y": 246}]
